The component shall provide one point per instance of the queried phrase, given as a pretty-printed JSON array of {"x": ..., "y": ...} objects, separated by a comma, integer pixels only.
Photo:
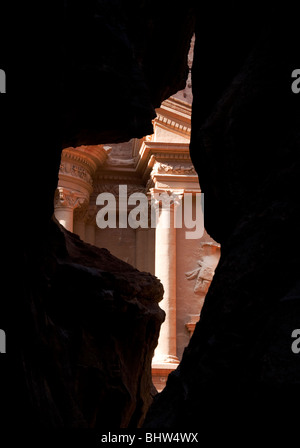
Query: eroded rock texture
[
  {"x": 95, "y": 323},
  {"x": 122, "y": 58},
  {"x": 239, "y": 366}
]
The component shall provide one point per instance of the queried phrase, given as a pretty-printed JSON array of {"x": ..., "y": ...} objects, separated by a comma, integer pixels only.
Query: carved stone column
[{"x": 165, "y": 270}]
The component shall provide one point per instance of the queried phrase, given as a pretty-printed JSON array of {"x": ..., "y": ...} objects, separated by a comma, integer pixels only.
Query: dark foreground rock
[
  {"x": 81, "y": 325},
  {"x": 95, "y": 320},
  {"x": 245, "y": 146},
  {"x": 239, "y": 366}
]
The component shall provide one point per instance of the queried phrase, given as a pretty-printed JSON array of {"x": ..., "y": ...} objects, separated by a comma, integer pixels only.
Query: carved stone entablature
[
  {"x": 70, "y": 199},
  {"x": 174, "y": 168}
]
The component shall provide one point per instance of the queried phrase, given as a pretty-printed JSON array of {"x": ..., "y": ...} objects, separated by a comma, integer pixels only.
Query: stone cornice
[
  {"x": 174, "y": 125},
  {"x": 181, "y": 107},
  {"x": 175, "y": 115}
]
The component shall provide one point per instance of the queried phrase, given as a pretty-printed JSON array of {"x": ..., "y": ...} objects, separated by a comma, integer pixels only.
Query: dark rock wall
[
  {"x": 94, "y": 325},
  {"x": 239, "y": 366},
  {"x": 122, "y": 58},
  {"x": 81, "y": 325},
  {"x": 92, "y": 72}
]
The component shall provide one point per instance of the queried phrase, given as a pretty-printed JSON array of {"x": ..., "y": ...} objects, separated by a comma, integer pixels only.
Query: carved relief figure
[
  {"x": 204, "y": 272},
  {"x": 203, "y": 275}
]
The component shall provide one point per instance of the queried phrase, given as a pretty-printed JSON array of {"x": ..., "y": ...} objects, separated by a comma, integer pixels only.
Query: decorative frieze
[
  {"x": 173, "y": 168},
  {"x": 81, "y": 163},
  {"x": 77, "y": 171},
  {"x": 182, "y": 157}
]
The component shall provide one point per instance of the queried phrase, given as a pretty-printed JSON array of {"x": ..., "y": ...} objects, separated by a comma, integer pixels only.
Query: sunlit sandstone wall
[{"x": 196, "y": 262}]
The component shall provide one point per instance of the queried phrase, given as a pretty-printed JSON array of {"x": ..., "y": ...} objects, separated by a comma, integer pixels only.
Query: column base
[{"x": 161, "y": 368}]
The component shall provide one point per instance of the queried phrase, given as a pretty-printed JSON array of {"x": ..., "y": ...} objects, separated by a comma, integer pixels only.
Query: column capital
[
  {"x": 65, "y": 198},
  {"x": 166, "y": 197}
]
